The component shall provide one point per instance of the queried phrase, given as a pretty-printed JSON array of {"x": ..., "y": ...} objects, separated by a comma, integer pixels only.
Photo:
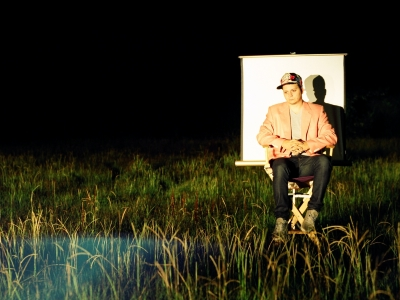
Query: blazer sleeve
[
  {"x": 268, "y": 135},
  {"x": 325, "y": 134}
]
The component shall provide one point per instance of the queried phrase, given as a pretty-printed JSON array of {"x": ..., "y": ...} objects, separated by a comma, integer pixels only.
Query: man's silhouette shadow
[{"x": 316, "y": 92}]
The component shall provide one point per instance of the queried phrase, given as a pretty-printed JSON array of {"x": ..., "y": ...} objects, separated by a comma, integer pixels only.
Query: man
[{"x": 294, "y": 133}]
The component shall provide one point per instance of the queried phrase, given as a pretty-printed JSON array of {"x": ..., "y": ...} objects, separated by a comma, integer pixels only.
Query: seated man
[{"x": 295, "y": 132}]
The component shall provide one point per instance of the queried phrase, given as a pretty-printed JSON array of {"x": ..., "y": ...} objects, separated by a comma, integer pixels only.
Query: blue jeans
[{"x": 318, "y": 166}]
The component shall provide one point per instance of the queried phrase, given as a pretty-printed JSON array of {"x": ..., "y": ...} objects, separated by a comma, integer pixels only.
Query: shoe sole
[{"x": 278, "y": 239}]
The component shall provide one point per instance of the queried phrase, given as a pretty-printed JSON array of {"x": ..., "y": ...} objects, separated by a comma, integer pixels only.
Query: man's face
[{"x": 292, "y": 93}]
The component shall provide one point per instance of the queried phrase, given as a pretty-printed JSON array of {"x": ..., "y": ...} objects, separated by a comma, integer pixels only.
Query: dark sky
[{"x": 152, "y": 75}]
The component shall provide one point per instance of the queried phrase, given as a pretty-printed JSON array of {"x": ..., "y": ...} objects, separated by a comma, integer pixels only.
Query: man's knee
[
  {"x": 279, "y": 166},
  {"x": 323, "y": 162}
]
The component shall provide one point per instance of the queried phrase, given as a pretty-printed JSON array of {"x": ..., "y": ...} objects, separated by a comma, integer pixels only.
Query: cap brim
[{"x": 289, "y": 82}]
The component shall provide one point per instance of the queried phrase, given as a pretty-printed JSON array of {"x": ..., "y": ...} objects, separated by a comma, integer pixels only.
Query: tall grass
[{"x": 177, "y": 220}]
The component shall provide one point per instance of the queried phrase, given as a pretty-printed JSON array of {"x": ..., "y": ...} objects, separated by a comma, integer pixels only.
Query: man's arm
[
  {"x": 266, "y": 137},
  {"x": 326, "y": 135}
]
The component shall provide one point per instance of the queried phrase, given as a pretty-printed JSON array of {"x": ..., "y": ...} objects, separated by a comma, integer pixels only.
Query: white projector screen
[{"x": 323, "y": 80}]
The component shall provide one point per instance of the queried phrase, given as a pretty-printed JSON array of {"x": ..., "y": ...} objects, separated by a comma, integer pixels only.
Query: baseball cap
[{"x": 290, "y": 78}]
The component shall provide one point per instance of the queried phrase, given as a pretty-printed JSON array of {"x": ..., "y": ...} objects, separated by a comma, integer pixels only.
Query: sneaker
[
  {"x": 280, "y": 233},
  {"x": 309, "y": 220}
]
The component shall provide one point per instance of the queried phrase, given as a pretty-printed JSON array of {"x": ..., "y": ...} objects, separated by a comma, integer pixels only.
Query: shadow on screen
[{"x": 316, "y": 92}]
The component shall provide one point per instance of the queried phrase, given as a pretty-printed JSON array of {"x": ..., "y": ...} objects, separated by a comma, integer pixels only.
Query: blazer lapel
[
  {"x": 284, "y": 111},
  {"x": 305, "y": 120}
]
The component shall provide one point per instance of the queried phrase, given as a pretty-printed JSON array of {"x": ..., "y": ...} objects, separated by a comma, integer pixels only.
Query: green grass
[{"x": 175, "y": 219}]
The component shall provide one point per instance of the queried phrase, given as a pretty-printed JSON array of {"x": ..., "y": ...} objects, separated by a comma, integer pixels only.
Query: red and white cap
[{"x": 290, "y": 78}]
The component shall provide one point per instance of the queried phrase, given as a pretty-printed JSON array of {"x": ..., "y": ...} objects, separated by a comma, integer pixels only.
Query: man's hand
[
  {"x": 305, "y": 146},
  {"x": 292, "y": 146},
  {"x": 295, "y": 147}
]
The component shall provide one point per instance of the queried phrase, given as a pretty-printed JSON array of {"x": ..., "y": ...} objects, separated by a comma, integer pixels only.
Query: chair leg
[
  {"x": 298, "y": 212},
  {"x": 303, "y": 207},
  {"x": 297, "y": 217}
]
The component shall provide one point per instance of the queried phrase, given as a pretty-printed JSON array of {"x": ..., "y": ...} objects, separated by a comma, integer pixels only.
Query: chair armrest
[
  {"x": 269, "y": 172},
  {"x": 329, "y": 150}
]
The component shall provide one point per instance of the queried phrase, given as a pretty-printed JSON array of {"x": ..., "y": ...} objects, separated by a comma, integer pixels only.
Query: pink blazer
[{"x": 315, "y": 129}]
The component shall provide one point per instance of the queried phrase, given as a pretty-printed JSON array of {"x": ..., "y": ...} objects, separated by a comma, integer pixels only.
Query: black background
[{"x": 166, "y": 71}]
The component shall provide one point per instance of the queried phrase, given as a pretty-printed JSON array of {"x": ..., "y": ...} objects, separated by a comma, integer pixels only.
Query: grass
[{"x": 175, "y": 219}]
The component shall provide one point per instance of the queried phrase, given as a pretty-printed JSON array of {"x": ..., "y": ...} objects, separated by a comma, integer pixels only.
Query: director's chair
[{"x": 295, "y": 187}]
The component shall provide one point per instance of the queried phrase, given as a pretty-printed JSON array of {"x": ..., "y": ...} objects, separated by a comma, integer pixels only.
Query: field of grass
[{"x": 175, "y": 219}]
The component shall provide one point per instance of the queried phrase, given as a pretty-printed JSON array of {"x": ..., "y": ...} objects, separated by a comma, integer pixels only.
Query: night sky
[{"x": 142, "y": 74}]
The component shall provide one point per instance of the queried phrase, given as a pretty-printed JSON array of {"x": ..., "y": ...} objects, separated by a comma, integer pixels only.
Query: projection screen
[{"x": 323, "y": 80}]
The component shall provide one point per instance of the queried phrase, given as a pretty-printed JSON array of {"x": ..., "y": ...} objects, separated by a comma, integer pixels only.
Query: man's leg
[
  {"x": 320, "y": 166},
  {"x": 283, "y": 169}
]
